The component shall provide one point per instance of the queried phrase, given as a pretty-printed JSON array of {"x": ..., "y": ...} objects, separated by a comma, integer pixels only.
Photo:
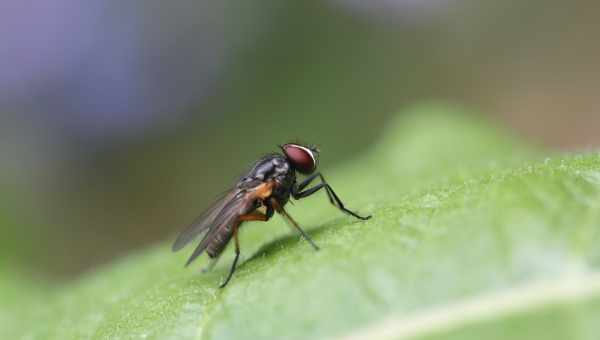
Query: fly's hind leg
[
  {"x": 298, "y": 192},
  {"x": 254, "y": 216},
  {"x": 257, "y": 215},
  {"x": 237, "y": 254}
]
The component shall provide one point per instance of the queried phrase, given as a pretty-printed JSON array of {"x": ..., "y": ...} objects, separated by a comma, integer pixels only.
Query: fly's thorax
[
  {"x": 284, "y": 186},
  {"x": 273, "y": 166},
  {"x": 282, "y": 169},
  {"x": 274, "y": 169}
]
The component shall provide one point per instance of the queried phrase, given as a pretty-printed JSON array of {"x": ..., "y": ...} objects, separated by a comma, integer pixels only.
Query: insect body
[{"x": 269, "y": 184}]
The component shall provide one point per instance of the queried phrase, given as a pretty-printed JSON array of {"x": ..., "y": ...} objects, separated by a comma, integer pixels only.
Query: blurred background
[{"x": 120, "y": 121}]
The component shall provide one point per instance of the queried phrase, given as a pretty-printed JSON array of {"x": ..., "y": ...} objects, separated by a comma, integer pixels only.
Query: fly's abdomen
[{"x": 219, "y": 241}]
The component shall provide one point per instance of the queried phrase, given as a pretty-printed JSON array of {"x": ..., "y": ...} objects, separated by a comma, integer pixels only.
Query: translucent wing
[
  {"x": 204, "y": 221},
  {"x": 240, "y": 205}
]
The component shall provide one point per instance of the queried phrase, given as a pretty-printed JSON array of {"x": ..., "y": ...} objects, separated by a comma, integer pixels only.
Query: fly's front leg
[
  {"x": 297, "y": 189},
  {"x": 297, "y": 193}
]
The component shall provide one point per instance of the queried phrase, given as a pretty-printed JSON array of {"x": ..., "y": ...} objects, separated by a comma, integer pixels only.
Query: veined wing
[
  {"x": 204, "y": 221},
  {"x": 241, "y": 204}
]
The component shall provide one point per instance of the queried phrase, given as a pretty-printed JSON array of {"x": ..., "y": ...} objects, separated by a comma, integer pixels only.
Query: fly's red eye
[{"x": 302, "y": 158}]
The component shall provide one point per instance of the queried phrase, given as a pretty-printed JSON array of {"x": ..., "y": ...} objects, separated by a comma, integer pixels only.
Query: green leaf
[{"x": 474, "y": 235}]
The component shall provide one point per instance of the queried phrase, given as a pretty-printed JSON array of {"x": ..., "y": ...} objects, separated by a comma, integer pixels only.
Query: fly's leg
[
  {"x": 289, "y": 218},
  {"x": 298, "y": 193},
  {"x": 297, "y": 189},
  {"x": 237, "y": 254},
  {"x": 302, "y": 232},
  {"x": 255, "y": 216}
]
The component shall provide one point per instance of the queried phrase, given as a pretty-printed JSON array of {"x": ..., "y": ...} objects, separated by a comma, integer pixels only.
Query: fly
[{"x": 269, "y": 185}]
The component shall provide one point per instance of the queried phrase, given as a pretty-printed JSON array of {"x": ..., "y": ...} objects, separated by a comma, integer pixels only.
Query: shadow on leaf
[{"x": 272, "y": 247}]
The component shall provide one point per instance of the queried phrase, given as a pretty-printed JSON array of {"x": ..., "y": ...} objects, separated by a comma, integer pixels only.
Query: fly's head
[{"x": 304, "y": 158}]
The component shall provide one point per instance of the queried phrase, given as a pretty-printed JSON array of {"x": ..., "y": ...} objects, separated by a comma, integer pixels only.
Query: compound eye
[{"x": 302, "y": 158}]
